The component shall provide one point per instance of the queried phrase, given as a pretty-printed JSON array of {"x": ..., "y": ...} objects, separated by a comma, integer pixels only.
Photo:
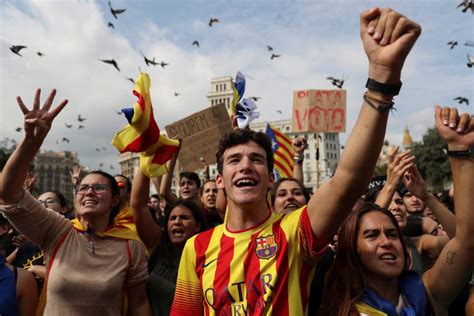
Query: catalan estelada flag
[
  {"x": 142, "y": 134},
  {"x": 283, "y": 152},
  {"x": 239, "y": 89}
]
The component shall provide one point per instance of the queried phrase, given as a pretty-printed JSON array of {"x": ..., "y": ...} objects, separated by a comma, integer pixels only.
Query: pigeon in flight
[
  {"x": 279, "y": 112},
  {"x": 466, "y": 4},
  {"x": 148, "y": 61},
  {"x": 16, "y": 49},
  {"x": 452, "y": 44},
  {"x": 18, "y": 129},
  {"x": 274, "y": 56},
  {"x": 336, "y": 82},
  {"x": 131, "y": 80},
  {"x": 119, "y": 112},
  {"x": 111, "y": 25},
  {"x": 255, "y": 98},
  {"x": 97, "y": 149},
  {"x": 101, "y": 164},
  {"x": 212, "y": 21},
  {"x": 163, "y": 64},
  {"x": 68, "y": 125},
  {"x": 40, "y": 54},
  {"x": 81, "y": 127},
  {"x": 112, "y": 62},
  {"x": 462, "y": 100},
  {"x": 81, "y": 119},
  {"x": 196, "y": 43},
  {"x": 65, "y": 140},
  {"x": 177, "y": 94},
  {"x": 112, "y": 167},
  {"x": 470, "y": 61},
  {"x": 269, "y": 48},
  {"x": 115, "y": 11}
]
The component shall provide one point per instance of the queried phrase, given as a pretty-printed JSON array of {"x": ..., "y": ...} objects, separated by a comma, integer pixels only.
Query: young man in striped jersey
[{"x": 259, "y": 263}]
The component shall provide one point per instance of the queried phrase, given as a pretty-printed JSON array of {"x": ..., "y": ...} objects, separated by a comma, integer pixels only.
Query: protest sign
[
  {"x": 319, "y": 111},
  {"x": 200, "y": 134}
]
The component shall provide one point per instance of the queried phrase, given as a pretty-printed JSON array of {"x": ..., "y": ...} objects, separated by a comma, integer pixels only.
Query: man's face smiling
[{"x": 245, "y": 177}]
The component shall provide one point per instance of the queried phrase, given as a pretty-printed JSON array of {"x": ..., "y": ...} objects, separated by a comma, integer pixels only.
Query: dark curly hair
[{"x": 243, "y": 136}]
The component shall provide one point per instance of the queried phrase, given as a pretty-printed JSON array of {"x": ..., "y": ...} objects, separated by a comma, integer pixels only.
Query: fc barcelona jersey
[{"x": 265, "y": 270}]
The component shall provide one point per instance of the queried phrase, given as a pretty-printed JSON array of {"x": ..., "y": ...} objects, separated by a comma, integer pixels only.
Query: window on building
[
  {"x": 307, "y": 156},
  {"x": 225, "y": 87}
]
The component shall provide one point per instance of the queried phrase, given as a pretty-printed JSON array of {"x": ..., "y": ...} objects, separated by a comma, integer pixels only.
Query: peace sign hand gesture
[{"x": 38, "y": 121}]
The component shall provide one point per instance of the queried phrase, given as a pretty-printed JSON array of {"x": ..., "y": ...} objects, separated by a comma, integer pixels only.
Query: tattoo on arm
[{"x": 450, "y": 257}]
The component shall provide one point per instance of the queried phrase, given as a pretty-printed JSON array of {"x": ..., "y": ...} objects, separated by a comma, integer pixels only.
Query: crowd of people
[{"x": 246, "y": 243}]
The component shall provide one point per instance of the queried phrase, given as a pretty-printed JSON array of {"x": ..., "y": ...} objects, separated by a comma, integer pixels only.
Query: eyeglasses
[
  {"x": 97, "y": 188},
  {"x": 49, "y": 201}
]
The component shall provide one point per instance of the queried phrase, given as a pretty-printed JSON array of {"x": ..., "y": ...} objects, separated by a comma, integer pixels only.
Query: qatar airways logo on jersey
[{"x": 240, "y": 298}]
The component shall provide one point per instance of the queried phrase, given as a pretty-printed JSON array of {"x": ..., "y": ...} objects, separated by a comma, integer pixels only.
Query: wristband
[
  {"x": 381, "y": 106},
  {"x": 392, "y": 89},
  {"x": 461, "y": 153}
]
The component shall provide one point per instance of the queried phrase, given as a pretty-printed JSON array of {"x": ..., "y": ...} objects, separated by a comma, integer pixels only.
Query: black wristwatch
[{"x": 392, "y": 89}]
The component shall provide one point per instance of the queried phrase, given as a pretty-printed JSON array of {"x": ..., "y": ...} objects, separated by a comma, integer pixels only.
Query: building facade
[{"x": 52, "y": 171}]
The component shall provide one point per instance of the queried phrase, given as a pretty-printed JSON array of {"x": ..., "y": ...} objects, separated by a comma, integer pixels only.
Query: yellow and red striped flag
[
  {"x": 142, "y": 134},
  {"x": 283, "y": 152}
]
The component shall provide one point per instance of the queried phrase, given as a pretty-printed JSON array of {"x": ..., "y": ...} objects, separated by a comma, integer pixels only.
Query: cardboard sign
[
  {"x": 200, "y": 134},
  {"x": 319, "y": 111}
]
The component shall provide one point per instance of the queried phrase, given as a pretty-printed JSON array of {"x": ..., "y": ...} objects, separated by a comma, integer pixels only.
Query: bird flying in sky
[
  {"x": 336, "y": 82},
  {"x": 111, "y": 25},
  {"x": 177, "y": 94},
  {"x": 18, "y": 129},
  {"x": 68, "y": 125},
  {"x": 470, "y": 61},
  {"x": 274, "y": 56},
  {"x": 81, "y": 119},
  {"x": 255, "y": 98},
  {"x": 16, "y": 49},
  {"x": 466, "y": 5},
  {"x": 212, "y": 21},
  {"x": 269, "y": 48},
  {"x": 196, "y": 43},
  {"x": 163, "y": 64},
  {"x": 111, "y": 62},
  {"x": 462, "y": 100},
  {"x": 40, "y": 54},
  {"x": 452, "y": 44},
  {"x": 115, "y": 11}
]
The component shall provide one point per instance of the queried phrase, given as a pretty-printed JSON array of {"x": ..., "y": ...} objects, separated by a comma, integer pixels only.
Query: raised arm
[
  {"x": 387, "y": 37},
  {"x": 416, "y": 185},
  {"x": 167, "y": 180},
  {"x": 398, "y": 164},
  {"x": 148, "y": 230},
  {"x": 37, "y": 125},
  {"x": 299, "y": 144},
  {"x": 453, "y": 267}
]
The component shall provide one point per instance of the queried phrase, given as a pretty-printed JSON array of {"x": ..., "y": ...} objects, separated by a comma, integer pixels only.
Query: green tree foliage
[{"x": 432, "y": 160}]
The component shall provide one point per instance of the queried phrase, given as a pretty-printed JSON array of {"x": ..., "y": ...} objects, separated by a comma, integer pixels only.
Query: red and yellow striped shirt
[{"x": 264, "y": 270}]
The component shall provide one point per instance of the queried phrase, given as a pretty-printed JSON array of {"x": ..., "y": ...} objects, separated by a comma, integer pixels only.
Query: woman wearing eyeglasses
[{"x": 92, "y": 263}]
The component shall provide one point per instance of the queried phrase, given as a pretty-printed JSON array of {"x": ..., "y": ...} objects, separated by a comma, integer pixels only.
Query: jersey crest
[{"x": 266, "y": 247}]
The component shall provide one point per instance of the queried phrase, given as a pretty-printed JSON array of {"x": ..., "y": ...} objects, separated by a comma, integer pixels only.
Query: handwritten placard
[
  {"x": 200, "y": 134},
  {"x": 319, "y": 111}
]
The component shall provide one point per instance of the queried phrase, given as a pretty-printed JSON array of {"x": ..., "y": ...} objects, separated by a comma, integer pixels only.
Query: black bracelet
[
  {"x": 392, "y": 89},
  {"x": 381, "y": 107},
  {"x": 461, "y": 153}
]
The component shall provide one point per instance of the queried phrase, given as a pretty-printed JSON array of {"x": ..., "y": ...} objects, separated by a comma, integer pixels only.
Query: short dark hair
[
  {"x": 243, "y": 136},
  {"x": 273, "y": 191},
  {"x": 193, "y": 176},
  {"x": 156, "y": 196}
]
